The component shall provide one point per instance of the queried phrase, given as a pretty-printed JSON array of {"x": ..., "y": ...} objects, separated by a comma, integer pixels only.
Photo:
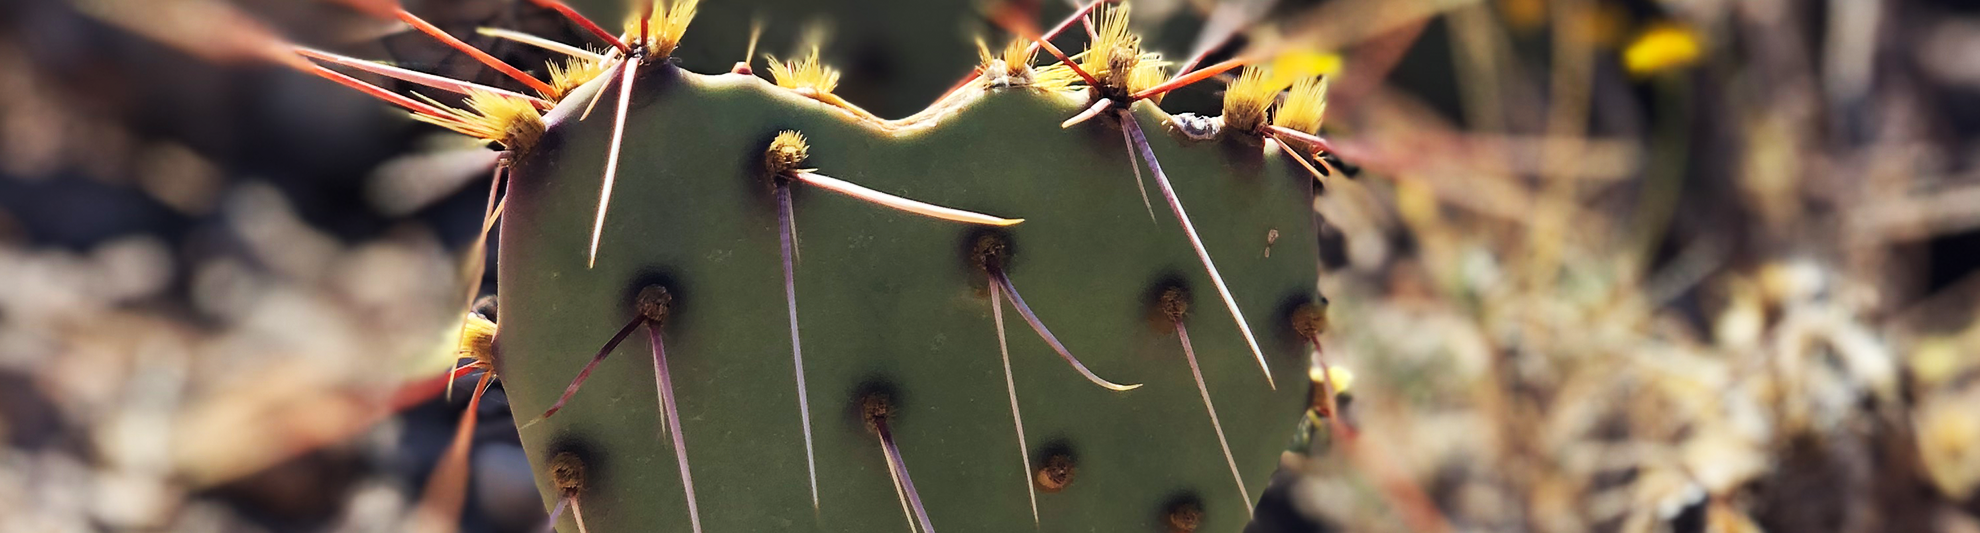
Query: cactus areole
[{"x": 896, "y": 305}]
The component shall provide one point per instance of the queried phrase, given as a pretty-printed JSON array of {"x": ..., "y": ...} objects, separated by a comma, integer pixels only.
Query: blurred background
[{"x": 1678, "y": 265}]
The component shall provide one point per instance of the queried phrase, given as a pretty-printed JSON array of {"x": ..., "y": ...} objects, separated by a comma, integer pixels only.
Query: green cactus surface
[{"x": 889, "y": 301}]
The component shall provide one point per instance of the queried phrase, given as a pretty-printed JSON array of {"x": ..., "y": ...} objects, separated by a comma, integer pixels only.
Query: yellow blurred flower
[{"x": 1660, "y": 48}]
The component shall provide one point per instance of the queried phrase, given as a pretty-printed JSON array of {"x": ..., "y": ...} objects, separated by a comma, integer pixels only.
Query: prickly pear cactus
[
  {"x": 898, "y": 305},
  {"x": 827, "y": 297}
]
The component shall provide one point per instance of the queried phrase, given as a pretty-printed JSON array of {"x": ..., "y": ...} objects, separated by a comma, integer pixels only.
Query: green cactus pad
[{"x": 888, "y": 299}]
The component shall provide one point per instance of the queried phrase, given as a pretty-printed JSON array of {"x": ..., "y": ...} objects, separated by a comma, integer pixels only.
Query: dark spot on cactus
[
  {"x": 576, "y": 464},
  {"x": 1174, "y": 303},
  {"x": 1167, "y": 302},
  {"x": 876, "y": 400},
  {"x": 653, "y": 303},
  {"x": 1056, "y": 474},
  {"x": 1059, "y": 466},
  {"x": 988, "y": 249},
  {"x": 1310, "y": 320},
  {"x": 1182, "y": 514},
  {"x": 875, "y": 409},
  {"x": 1296, "y": 311},
  {"x": 655, "y": 295},
  {"x": 567, "y": 473}
]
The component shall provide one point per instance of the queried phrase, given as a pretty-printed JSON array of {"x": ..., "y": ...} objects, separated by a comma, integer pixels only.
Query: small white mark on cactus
[
  {"x": 1197, "y": 127},
  {"x": 1271, "y": 238}
]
